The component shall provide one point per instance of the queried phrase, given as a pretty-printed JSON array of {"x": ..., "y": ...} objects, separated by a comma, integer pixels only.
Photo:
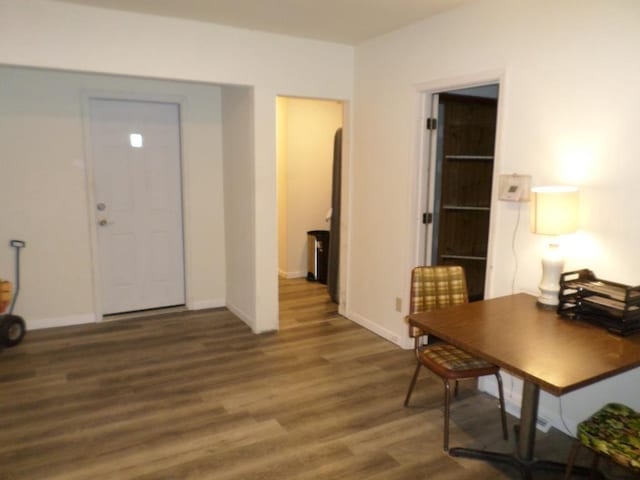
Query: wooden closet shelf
[
  {"x": 470, "y": 157},
  {"x": 464, "y": 207}
]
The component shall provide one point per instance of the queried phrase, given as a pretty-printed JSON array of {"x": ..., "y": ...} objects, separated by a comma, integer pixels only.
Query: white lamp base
[{"x": 552, "y": 265}]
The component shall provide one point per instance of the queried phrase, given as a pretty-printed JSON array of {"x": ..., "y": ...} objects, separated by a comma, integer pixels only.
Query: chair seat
[
  {"x": 432, "y": 288},
  {"x": 614, "y": 431},
  {"x": 451, "y": 362}
]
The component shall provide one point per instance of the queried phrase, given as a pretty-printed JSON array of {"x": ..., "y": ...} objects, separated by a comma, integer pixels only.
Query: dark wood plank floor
[{"x": 196, "y": 395}]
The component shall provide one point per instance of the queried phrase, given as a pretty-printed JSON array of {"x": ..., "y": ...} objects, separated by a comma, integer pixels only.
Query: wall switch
[{"x": 398, "y": 304}]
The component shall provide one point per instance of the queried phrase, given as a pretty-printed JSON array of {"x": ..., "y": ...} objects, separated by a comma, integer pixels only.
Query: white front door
[{"x": 135, "y": 148}]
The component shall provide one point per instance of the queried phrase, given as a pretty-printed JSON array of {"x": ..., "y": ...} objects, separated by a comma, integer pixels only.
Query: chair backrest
[{"x": 434, "y": 287}]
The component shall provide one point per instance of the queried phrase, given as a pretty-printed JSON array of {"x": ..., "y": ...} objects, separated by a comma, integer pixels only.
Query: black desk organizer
[{"x": 611, "y": 305}]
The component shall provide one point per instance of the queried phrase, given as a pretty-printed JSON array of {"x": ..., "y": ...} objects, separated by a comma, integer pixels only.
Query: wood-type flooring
[{"x": 196, "y": 395}]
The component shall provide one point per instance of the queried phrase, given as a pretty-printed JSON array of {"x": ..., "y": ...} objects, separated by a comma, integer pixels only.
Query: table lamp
[{"x": 554, "y": 211}]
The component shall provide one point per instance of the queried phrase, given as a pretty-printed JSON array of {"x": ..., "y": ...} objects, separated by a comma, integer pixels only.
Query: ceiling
[{"x": 340, "y": 21}]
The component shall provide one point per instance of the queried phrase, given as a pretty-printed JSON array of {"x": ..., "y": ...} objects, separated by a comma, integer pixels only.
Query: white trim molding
[
  {"x": 40, "y": 323},
  {"x": 380, "y": 331},
  {"x": 513, "y": 399},
  {"x": 205, "y": 304}
]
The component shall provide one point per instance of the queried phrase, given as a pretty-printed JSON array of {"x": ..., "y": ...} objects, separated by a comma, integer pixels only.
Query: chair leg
[
  {"x": 503, "y": 413},
  {"x": 571, "y": 460},
  {"x": 455, "y": 390},
  {"x": 413, "y": 384},
  {"x": 447, "y": 401},
  {"x": 594, "y": 466}
]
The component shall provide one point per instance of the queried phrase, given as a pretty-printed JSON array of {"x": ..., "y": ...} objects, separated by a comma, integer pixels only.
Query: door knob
[{"x": 103, "y": 223}]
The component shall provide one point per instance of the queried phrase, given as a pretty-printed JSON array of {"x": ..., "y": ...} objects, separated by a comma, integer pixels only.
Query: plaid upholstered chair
[
  {"x": 612, "y": 432},
  {"x": 438, "y": 287}
]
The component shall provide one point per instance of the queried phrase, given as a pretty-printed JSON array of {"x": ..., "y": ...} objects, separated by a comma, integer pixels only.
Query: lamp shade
[{"x": 554, "y": 210}]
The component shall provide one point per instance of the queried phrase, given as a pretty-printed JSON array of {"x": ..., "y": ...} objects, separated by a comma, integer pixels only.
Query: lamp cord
[
  {"x": 515, "y": 274},
  {"x": 513, "y": 250},
  {"x": 513, "y": 283},
  {"x": 567, "y": 429}
]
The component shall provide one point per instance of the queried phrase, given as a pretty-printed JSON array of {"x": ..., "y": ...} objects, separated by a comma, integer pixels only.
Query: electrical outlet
[{"x": 398, "y": 304}]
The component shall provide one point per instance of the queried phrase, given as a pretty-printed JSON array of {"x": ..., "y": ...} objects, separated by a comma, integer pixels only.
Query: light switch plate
[{"x": 514, "y": 188}]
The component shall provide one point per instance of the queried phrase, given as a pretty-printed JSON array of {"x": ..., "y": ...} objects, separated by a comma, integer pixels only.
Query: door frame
[
  {"x": 92, "y": 218},
  {"x": 425, "y": 149}
]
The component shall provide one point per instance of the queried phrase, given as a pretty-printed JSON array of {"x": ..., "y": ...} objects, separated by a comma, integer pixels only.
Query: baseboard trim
[
  {"x": 205, "y": 304},
  {"x": 375, "y": 328},
  {"x": 242, "y": 316},
  {"x": 290, "y": 275},
  {"x": 513, "y": 399},
  {"x": 40, "y": 323}
]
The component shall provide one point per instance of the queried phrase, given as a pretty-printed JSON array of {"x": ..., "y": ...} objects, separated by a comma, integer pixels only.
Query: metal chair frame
[{"x": 446, "y": 274}]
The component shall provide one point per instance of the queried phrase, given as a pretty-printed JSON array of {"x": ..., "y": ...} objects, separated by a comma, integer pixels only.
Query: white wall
[
  {"x": 46, "y": 188},
  {"x": 55, "y": 35},
  {"x": 567, "y": 115},
  {"x": 308, "y": 132},
  {"x": 239, "y": 181}
]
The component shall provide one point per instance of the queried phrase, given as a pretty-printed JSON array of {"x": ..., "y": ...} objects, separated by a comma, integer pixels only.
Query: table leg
[
  {"x": 524, "y": 459},
  {"x": 528, "y": 418}
]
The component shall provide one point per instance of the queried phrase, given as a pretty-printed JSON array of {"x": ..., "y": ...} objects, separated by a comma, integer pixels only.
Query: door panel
[{"x": 139, "y": 204}]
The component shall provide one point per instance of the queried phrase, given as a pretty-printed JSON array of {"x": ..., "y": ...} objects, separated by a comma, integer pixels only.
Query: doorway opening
[
  {"x": 462, "y": 131},
  {"x": 309, "y": 154}
]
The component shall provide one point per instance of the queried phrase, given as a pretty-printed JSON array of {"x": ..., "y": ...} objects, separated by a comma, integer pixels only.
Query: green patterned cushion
[{"x": 614, "y": 431}]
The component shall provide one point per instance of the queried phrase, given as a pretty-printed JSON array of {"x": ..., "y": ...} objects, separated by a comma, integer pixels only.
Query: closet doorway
[
  {"x": 463, "y": 127},
  {"x": 308, "y": 152}
]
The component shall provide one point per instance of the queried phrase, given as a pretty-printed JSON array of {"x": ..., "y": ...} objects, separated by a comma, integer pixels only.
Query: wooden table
[{"x": 545, "y": 350}]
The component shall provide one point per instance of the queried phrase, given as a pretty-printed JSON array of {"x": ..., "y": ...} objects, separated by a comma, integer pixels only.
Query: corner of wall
[
  {"x": 379, "y": 330},
  {"x": 246, "y": 318}
]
